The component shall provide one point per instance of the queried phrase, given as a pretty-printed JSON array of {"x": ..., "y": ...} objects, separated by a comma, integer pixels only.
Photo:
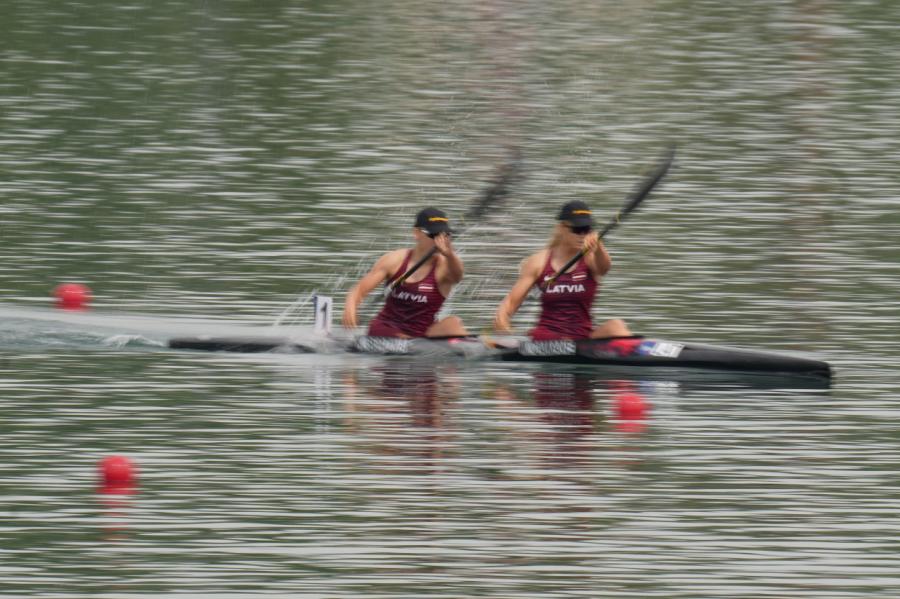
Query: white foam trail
[{"x": 155, "y": 329}]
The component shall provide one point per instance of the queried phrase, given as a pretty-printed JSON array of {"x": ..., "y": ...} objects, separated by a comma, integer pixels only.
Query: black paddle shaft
[
  {"x": 633, "y": 201},
  {"x": 493, "y": 195}
]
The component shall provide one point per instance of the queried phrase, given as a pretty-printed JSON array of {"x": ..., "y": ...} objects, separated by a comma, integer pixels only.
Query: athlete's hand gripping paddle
[
  {"x": 631, "y": 203},
  {"x": 491, "y": 197}
]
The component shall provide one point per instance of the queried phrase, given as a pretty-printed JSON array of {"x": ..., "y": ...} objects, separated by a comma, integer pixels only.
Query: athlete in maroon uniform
[
  {"x": 566, "y": 302},
  {"x": 411, "y": 307}
]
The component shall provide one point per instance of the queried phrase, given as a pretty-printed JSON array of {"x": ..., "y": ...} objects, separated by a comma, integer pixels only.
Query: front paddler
[
  {"x": 411, "y": 307},
  {"x": 567, "y": 299}
]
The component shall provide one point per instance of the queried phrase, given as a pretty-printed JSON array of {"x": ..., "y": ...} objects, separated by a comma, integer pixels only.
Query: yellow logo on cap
[
  {"x": 581, "y": 212},
  {"x": 432, "y": 219}
]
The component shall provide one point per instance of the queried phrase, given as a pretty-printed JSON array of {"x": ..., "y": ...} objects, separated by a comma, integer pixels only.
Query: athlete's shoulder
[
  {"x": 536, "y": 260},
  {"x": 389, "y": 262},
  {"x": 394, "y": 256}
]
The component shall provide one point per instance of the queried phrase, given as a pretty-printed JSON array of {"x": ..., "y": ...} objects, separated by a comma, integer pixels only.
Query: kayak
[
  {"x": 644, "y": 352},
  {"x": 634, "y": 351},
  {"x": 241, "y": 344}
]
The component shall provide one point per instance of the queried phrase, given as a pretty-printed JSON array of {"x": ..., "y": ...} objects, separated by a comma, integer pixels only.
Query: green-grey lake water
[{"x": 209, "y": 165}]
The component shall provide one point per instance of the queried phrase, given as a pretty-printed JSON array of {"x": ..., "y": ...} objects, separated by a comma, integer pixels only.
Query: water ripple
[{"x": 222, "y": 161}]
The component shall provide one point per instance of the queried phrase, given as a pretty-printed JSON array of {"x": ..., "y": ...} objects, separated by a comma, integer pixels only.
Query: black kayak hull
[
  {"x": 657, "y": 353},
  {"x": 634, "y": 351},
  {"x": 241, "y": 344}
]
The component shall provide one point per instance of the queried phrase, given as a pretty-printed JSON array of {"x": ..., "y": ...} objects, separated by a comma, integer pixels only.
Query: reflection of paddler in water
[
  {"x": 567, "y": 403},
  {"x": 419, "y": 387},
  {"x": 566, "y": 413},
  {"x": 415, "y": 389}
]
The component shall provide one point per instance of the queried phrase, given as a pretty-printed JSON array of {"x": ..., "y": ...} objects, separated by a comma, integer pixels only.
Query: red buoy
[
  {"x": 72, "y": 296},
  {"x": 630, "y": 406},
  {"x": 117, "y": 470}
]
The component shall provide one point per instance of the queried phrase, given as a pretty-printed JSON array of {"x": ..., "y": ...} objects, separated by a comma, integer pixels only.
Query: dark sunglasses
[
  {"x": 433, "y": 235},
  {"x": 584, "y": 230}
]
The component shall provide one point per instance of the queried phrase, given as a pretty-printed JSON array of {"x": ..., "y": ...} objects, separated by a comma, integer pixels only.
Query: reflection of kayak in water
[{"x": 634, "y": 351}]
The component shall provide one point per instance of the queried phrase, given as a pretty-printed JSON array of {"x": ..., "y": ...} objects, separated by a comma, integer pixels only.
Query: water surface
[{"x": 205, "y": 167}]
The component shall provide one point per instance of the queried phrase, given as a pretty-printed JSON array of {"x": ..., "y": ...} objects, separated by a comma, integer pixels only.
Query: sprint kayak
[{"x": 636, "y": 351}]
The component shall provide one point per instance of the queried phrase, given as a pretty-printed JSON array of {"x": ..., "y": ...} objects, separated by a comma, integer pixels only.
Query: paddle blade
[
  {"x": 631, "y": 202},
  {"x": 647, "y": 185},
  {"x": 498, "y": 190}
]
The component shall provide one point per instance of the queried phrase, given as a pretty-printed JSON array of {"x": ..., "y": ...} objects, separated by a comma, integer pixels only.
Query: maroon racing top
[
  {"x": 410, "y": 308},
  {"x": 566, "y": 304}
]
